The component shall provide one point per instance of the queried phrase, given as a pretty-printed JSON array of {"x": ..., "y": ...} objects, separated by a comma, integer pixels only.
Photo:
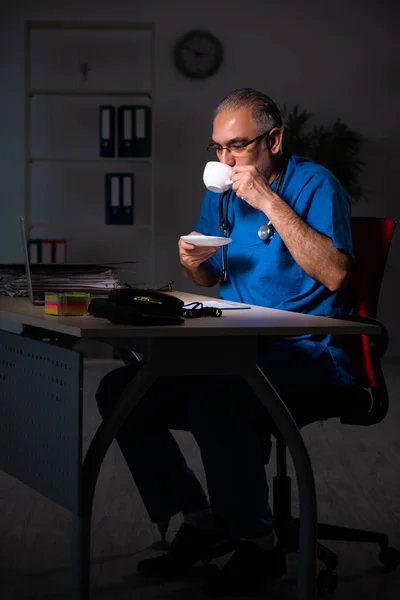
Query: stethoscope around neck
[{"x": 265, "y": 232}]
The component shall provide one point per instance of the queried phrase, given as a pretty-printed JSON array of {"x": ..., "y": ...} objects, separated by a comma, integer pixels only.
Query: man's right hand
[{"x": 191, "y": 256}]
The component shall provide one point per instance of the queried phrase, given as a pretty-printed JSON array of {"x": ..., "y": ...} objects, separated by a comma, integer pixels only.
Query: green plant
[{"x": 336, "y": 147}]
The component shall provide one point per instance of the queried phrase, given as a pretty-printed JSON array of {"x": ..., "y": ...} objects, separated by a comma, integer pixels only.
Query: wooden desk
[{"x": 41, "y": 401}]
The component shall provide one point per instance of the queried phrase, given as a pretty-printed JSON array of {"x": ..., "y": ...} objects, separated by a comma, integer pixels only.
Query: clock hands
[{"x": 195, "y": 52}]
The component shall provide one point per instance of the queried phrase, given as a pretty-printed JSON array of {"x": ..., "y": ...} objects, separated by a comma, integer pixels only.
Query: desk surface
[{"x": 255, "y": 321}]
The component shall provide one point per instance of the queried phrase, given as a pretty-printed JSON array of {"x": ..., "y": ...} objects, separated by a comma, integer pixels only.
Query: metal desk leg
[
  {"x": 305, "y": 479},
  {"x": 91, "y": 468}
]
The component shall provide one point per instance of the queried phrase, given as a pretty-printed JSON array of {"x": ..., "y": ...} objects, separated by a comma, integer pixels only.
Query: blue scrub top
[{"x": 267, "y": 274}]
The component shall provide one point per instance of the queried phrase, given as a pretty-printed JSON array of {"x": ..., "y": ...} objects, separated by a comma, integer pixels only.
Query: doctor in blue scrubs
[{"x": 289, "y": 219}]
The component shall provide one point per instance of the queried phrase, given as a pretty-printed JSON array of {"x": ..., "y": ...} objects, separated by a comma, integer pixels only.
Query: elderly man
[{"x": 290, "y": 221}]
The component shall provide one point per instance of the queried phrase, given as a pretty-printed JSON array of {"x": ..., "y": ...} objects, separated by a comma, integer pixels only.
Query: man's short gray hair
[{"x": 264, "y": 111}]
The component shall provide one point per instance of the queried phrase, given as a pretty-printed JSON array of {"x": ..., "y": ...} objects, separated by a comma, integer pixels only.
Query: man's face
[{"x": 235, "y": 127}]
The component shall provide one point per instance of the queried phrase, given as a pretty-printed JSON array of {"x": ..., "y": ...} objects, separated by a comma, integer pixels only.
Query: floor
[{"x": 358, "y": 484}]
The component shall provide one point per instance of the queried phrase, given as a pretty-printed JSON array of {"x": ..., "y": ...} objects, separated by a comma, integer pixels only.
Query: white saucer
[{"x": 206, "y": 240}]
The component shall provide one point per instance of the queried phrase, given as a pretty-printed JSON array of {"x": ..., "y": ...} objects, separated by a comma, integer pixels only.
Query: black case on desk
[{"x": 133, "y": 306}]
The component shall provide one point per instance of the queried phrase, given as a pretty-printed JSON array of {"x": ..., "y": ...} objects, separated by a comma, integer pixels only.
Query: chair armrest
[{"x": 378, "y": 341}]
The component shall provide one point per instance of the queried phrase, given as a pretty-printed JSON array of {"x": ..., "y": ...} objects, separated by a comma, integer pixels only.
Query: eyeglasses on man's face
[{"x": 236, "y": 148}]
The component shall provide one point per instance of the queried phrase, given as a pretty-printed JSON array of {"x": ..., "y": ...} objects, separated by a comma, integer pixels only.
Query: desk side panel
[{"x": 41, "y": 417}]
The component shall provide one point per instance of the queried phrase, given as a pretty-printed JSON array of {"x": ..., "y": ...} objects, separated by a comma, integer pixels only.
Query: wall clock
[{"x": 198, "y": 54}]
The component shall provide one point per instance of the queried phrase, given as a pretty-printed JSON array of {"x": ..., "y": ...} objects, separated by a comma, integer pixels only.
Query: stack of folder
[
  {"x": 125, "y": 131},
  {"x": 47, "y": 251},
  {"x": 119, "y": 198},
  {"x": 91, "y": 278}
]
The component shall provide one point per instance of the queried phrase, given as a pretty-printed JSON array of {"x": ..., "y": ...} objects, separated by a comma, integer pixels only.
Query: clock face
[{"x": 198, "y": 54}]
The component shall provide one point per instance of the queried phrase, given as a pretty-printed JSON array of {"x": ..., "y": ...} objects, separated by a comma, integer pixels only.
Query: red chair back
[{"x": 372, "y": 237}]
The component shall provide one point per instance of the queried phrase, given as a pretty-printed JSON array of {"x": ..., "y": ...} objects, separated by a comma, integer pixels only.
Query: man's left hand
[{"x": 250, "y": 185}]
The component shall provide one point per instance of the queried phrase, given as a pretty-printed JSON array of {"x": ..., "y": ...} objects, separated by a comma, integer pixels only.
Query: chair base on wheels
[{"x": 287, "y": 529}]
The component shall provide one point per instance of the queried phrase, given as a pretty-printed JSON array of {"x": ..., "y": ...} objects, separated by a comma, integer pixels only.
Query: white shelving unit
[{"x": 68, "y": 36}]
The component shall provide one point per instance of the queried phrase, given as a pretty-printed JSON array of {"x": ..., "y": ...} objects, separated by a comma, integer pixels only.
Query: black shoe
[
  {"x": 189, "y": 545},
  {"x": 247, "y": 571}
]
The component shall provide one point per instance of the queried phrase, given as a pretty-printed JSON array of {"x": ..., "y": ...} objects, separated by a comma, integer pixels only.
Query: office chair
[{"x": 363, "y": 404}]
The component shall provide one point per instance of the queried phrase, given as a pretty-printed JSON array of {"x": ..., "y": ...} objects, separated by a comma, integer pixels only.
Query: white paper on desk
[{"x": 224, "y": 305}]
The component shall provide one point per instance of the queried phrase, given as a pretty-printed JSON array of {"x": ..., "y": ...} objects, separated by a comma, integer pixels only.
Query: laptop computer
[{"x": 36, "y": 299}]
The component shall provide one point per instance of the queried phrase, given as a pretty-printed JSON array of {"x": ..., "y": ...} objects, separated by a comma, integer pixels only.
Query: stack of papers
[{"x": 93, "y": 278}]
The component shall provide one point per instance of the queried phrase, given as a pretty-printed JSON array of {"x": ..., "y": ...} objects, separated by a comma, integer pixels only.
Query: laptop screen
[{"x": 26, "y": 259}]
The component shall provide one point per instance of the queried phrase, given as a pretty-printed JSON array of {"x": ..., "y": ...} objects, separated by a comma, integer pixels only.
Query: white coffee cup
[{"x": 216, "y": 176}]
